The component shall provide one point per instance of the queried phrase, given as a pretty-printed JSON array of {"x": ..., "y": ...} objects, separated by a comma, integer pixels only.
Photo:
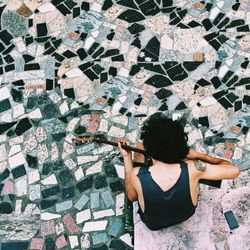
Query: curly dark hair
[{"x": 164, "y": 139}]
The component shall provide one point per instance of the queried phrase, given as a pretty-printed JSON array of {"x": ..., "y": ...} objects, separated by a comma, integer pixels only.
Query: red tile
[
  {"x": 61, "y": 242},
  {"x": 47, "y": 228},
  {"x": 37, "y": 244},
  {"x": 70, "y": 224},
  {"x": 92, "y": 127},
  {"x": 8, "y": 188}
]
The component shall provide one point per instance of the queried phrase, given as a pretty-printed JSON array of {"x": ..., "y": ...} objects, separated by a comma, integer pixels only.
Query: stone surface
[{"x": 99, "y": 68}]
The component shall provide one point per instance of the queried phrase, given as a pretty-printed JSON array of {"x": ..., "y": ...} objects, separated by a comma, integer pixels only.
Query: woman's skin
[{"x": 200, "y": 166}]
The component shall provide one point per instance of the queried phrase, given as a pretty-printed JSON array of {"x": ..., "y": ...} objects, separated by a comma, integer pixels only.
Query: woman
[{"x": 167, "y": 190}]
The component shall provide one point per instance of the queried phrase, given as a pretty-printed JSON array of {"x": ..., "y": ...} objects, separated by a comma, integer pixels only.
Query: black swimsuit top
[{"x": 165, "y": 208}]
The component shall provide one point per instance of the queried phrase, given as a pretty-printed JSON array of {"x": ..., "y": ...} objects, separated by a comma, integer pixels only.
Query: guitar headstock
[{"x": 83, "y": 139}]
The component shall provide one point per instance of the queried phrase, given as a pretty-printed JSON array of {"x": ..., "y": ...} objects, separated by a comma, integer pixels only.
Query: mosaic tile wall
[{"x": 71, "y": 68}]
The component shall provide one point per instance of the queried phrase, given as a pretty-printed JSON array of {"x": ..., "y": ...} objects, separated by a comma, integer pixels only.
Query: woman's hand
[
  {"x": 192, "y": 154},
  {"x": 124, "y": 153}
]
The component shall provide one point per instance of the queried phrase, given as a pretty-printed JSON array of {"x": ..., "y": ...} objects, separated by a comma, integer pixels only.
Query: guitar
[{"x": 212, "y": 183}]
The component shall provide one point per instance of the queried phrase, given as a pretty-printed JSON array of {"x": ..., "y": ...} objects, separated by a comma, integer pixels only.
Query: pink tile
[
  {"x": 8, "y": 188},
  {"x": 47, "y": 228},
  {"x": 228, "y": 154},
  {"x": 61, "y": 242},
  {"x": 37, "y": 244},
  {"x": 92, "y": 127},
  {"x": 70, "y": 224}
]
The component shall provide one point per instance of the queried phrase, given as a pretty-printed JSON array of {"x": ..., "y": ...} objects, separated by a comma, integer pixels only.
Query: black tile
[
  {"x": 100, "y": 182},
  {"x": 16, "y": 95},
  {"x": 91, "y": 74},
  {"x": 50, "y": 192},
  {"x": 4, "y": 175},
  {"x": 68, "y": 192},
  {"x": 210, "y": 36},
  {"x": 8, "y": 59},
  {"x": 225, "y": 103},
  {"x": 28, "y": 58},
  {"x": 208, "y": 6},
  {"x": 32, "y": 161},
  {"x": 167, "y": 3},
  {"x": 163, "y": 93},
  {"x": 28, "y": 40},
  {"x": 237, "y": 106},
  {"x": 246, "y": 99},
  {"x": 9, "y": 68},
  {"x": 220, "y": 94},
  {"x": 193, "y": 24},
  {"x": 69, "y": 54},
  {"x": 85, "y": 184},
  {"x": 244, "y": 28},
  {"x": 70, "y": 4},
  {"x": 1, "y": 47},
  {"x": 136, "y": 43},
  {"x": 223, "y": 23},
  {"x": 63, "y": 9},
  {"x": 202, "y": 82},
  {"x": 110, "y": 36},
  {"x": 56, "y": 2},
  {"x": 4, "y": 105},
  {"x": 97, "y": 69},
  {"x": 190, "y": 66},
  {"x": 235, "y": 23},
  {"x": 243, "y": 81},
  {"x": 18, "y": 172},
  {"x": 222, "y": 38},
  {"x": 207, "y": 24},
  {"x": 122, "y": 111},
  {"x": 181, "y": 106},
  {"x": 31, "y": 66},
  {"x": 218, "y": 18},
  {"x": 163, "y": 107},
  {"x": 227, "y": 76},
  {"x": 85, "y": 6},
  {"x": 83, "y": 36},
  {"x": 112, "y": 71},
  {"x": 44, "y": 204},
  {"x": 232, "y": 97},
  {"x": 81, "y": 53},
  {"x": 232, "y": 81},
  {"x": 131, "y": 16},
  {"x": 22, "y": 126},
  {"x": 236, "y": 6},
  {"x": 47, "y": 168},
  {"x": 93, "y": 47},
  {"x": 215, "y": 44},
  {"x": 69, "y": 93},
  {"x": 136, "y": 28},
  {"x": 65, "y": 177},
  {"x": 177, "y": 73},
  {"x": 128, "y": 3},
  {"x": 116, "y": 186},
  {"x": 76, "y": 12},
  {"x": 50, "y": 110},
  {"x": 149, "y": 8},
  {"x": 58, "y": 57},
  {"x": 159, "y": 81},
  {"x": 204, "y": 121},
  {"x": 218, "y": 64},
  {"x": 49, "y": 84},
  {"x": 154, "y": 46},
  {"x": 244, "y": 64},
  {"x": 111, "y": 52},
  {"x": 168, "y": 9},
  {"x": 103, "y": 77},
  {"x": 98, "y": 52},
  {"x": 49, "y": 51},
  {"x": 152, "y": 67},
  {"x": 118, "y": 58},
  {"x": 57, "y": 43},
  {"x": 41, "y": 29},
  {"x": 5, "y": 36},
  {"x": 15, "y": 245}
]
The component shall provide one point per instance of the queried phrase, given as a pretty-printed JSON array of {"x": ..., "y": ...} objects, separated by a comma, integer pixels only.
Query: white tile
[
  {"x": 96, "y": 7},
  {"x": 116, "y": 132},
  {"x": 127, "y": 239},
  {"x": 120, "y": 171},
  {"x": 18, "y": 110},
  {"x": 46, "y": 7},
  {"x": 59, "y": 228},
  {"x": 34, "y": 192},
  {"x": 50, "y": 180},
  {"x": 73, "y": 240},
  {"x": 214, "y": 12},
  {"x": 49, "y": 216},
  {"x": 85, "y": 159},
  {"x": 75, "y": 72},
  {"x": 79, "y": 174},
  {"x": 85, "y": 242},
  {"x": 4, "y": 93},
  {"x": 96, "y": 168},
  {"x": 88, "y": 42},
  {"x": 83, "y": 216},
  {"x": 123, "y": 72},
  {"x": 103, "y": 149},
  {"x": 103, "y": 213},
  {"x": 35, "y": 114},
  {"x": 33, "y": 176},
  {"x": 223, "y": 70},
  {"x": 70, "y": 163},
  {"x": 103, "y": 126},
  {"x": 21, "y": 186},
  {"x": 119, "y": 204},
  {"x": 16, "y": 160},
  {"x": 72, "y": 124},
  {"x": 3, "y": 153},
  {"x": 166, "y": 42},
  {"x": 64, "y": 108},
  {"x": 95, "y": 226}
]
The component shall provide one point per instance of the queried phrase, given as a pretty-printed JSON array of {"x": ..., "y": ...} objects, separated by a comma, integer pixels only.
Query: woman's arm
[{"x": 212, "y": 168}]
